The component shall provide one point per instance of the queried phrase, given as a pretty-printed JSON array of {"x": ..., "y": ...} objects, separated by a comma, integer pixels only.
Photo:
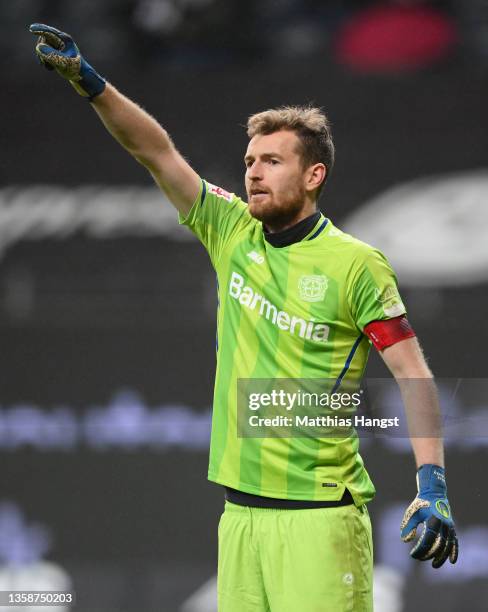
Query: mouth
[{"x": 257, "y": 192}]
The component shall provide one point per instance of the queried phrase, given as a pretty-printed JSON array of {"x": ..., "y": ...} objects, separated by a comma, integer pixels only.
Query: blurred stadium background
[{"x": 107, "y": 307}]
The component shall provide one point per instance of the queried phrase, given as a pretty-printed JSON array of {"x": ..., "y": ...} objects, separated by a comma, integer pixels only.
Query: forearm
[
  {"x": 419, "y": 393},
  {"x": 424, "y": 421},
  {"x": 128, "y": 123},
  {"x": 139, "y": 133}
]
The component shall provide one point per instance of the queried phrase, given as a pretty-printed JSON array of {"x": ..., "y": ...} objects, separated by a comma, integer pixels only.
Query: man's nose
[{"x": 254, "y": 171}]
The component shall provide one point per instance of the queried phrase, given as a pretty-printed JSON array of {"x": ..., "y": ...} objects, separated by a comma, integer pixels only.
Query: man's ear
[{"x": 315, "y": 176}]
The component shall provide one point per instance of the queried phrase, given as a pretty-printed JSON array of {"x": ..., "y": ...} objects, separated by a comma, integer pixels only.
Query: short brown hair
[{"x": 309, "y": 123}]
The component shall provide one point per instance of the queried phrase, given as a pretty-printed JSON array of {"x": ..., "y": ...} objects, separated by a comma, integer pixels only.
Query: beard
[{"x": 278, "y": 213}]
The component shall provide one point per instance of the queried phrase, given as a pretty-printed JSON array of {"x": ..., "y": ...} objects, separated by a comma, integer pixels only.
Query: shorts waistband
[{"x": 240, "y": 498}]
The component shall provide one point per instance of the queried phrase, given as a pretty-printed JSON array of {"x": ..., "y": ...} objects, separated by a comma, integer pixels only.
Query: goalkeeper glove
[
  {"x": 56, "y": 50},
  {"x": 438, "y": 540}
]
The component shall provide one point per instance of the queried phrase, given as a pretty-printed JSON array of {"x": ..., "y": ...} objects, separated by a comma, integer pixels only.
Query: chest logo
[
  {"x": 256, "y": 257},
  {"x": 312, "y": 288}
]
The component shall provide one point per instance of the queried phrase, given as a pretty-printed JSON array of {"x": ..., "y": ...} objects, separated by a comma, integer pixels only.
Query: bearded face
[{"x": 275, "y": 179}]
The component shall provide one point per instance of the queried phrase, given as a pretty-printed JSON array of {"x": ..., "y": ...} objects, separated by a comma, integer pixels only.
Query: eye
[{"x": 274, "y": 162}]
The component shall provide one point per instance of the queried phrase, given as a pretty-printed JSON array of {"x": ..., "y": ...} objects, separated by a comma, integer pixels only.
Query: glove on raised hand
[
  {"x": 57, "y": 51},
  {"x": 438, "y": 539}
]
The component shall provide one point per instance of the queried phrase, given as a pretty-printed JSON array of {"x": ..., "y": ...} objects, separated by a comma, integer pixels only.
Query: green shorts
[{"x": 318, "y": 560}]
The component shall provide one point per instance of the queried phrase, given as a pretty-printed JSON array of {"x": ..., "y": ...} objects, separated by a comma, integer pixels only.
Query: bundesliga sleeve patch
[
  {"x": 390, "y": 300},
  {"x": 386, "y": 333},
  {"x": 219, "y": 192}
]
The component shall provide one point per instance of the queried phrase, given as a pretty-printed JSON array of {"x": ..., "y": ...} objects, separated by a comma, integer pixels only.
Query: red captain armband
[{"x": 386, "y": 333}]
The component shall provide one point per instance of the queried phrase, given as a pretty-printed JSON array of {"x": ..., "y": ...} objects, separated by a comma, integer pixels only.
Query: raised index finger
[{"x": 53, "y": 36}]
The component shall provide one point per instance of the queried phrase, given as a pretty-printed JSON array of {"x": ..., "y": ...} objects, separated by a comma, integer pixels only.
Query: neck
[
  {"x": 293, "y": 234},
  {"x": 304, "y": 213}
]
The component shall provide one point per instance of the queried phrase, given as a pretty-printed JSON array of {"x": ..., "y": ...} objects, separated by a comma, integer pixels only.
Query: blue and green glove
[
  {"x": 438, "y": 539},
  {"x": 56, "y": 50}
]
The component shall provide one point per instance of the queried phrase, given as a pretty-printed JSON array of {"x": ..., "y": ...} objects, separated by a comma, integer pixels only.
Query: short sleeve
[
  {"x": 374, "y": 294},
  {"x": 216, "y": 217}
]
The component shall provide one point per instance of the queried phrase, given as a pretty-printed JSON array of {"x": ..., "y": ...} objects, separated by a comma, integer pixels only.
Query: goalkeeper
[{"x": 299, "y": 299}]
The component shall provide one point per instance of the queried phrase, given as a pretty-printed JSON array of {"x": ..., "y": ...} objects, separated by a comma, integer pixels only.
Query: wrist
[
  {"x": 89, "y": 84},
  {"x": 431, "y": 478}
]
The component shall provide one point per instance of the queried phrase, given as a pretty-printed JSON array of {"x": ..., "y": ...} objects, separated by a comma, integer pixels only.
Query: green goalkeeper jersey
[{"x": 294, "y": 312}]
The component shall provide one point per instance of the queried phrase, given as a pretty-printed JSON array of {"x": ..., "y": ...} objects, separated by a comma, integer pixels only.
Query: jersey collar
[{"x": 306, "y": 229}]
